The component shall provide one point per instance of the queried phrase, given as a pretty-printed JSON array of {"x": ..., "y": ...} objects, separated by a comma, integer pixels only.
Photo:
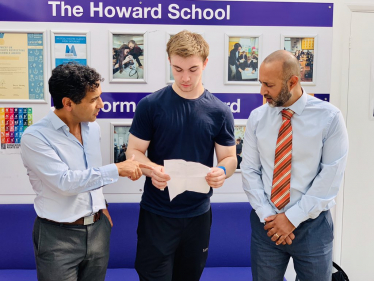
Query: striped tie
[{"x": 280, "y": 192}]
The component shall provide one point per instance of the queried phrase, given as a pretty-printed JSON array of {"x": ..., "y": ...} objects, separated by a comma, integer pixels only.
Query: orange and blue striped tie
[{"x": 280, "y": 192}]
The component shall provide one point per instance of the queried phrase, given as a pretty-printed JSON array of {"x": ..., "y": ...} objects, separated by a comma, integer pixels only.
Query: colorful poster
[
  {"x": 13, "y": 122},
  {"x": 70, "y": 48},
  {"x": 21, "y": 66}
]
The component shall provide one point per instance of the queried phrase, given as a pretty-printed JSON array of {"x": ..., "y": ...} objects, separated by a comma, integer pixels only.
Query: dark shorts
[{"x": 172, "y": 248}]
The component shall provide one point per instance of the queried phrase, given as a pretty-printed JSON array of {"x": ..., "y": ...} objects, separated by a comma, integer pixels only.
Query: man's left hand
[
  {"x": 278, "y": 227},
  {"x": 216, "y": 177}
]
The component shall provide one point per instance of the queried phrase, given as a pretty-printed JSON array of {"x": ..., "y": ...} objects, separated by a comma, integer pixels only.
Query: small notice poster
[
  {"x": 13, "y": 122},
  {"x": 69, "y": 48}
]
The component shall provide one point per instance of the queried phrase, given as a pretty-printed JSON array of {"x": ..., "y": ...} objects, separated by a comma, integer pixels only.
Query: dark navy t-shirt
[{"x": 179, "y": 128}]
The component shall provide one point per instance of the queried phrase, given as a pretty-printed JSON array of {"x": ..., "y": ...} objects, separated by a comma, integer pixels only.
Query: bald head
[{"x": 290, "y": 65}]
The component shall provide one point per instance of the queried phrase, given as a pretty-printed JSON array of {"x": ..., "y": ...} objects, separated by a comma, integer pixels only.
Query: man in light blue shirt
[
  {"x": 62, "y": 156},
  {"x": 302, "y": 227}
]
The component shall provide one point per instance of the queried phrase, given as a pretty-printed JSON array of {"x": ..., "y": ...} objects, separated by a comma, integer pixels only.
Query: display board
[{"x": 101, "y": 28}]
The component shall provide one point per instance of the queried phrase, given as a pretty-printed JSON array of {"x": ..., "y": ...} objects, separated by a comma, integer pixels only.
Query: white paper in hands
[{"x": 186, "y": 176}]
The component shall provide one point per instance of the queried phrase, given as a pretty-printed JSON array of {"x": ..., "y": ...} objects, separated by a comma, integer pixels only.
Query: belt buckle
[{"x": 88, "y": 220}]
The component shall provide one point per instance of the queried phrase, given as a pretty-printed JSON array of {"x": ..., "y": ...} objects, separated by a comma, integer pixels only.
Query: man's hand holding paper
[
  {"x": 190, "y": 176},
  {"x": 216, "y": 177},
  {"x": 159, "y": 177}
]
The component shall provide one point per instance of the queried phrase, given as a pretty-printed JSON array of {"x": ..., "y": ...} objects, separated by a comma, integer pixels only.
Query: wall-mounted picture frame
[
  {"x": 119, "y": 139},
  {"x": 70, "y": 46},
  {"x": 304, "y": 48},
  {"x": 128, "y": 57},
  {"x": 169, "y": 72},
  {"x": 242, "y": 59},
  {"x": 239, "y": 132},
  {"x": 23, "y": 66}
]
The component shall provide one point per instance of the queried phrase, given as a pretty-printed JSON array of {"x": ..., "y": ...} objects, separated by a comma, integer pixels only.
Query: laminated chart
[
  {"x": 21, "y": 66},
  {"x": 13, "y": 122}
]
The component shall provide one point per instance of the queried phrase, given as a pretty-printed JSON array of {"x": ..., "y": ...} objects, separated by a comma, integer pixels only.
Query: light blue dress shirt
[
  {"x": 319, "y": 154},
  {"x": 66, "y": 176}
]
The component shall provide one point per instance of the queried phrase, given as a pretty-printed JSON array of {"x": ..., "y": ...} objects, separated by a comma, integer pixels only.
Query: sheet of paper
[{"x": 186, "y": 176}]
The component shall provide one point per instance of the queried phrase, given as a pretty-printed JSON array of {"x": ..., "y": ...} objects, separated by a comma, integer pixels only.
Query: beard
[{"x": 283, "y": 97}]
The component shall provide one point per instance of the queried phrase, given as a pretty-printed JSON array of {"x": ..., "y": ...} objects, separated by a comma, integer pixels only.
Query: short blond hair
[{"x": 186, "y": 44}]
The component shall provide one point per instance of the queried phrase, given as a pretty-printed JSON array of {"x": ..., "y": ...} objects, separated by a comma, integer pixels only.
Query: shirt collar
[
  {"x": 57, "y": 123},
  {"x": 297, "y": 106}
]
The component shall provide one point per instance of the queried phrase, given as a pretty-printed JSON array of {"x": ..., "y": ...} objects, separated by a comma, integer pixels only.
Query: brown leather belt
[{"x": 81, "y": 221}]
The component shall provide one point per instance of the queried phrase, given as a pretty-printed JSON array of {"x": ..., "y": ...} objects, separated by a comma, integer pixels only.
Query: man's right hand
[
  {"x": 289, "y": 239},
  {"x": 159, "y": 178},
  {"x": 131, "y": 169}
]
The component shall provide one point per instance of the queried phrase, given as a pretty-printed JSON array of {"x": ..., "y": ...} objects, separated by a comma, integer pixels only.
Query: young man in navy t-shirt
[{"x": 182, "y": 121}]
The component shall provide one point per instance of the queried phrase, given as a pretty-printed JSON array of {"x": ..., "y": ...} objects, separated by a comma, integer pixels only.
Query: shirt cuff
[
  {"x": 264, "y": 212},
  {"x": 109, "y": 174},
  {"x": 296, "y": 215}
]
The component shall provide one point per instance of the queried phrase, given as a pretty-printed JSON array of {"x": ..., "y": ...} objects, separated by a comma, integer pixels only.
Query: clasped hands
[
  {"x": 215, "y": 178},
  {"x": 279, "y": 229}
]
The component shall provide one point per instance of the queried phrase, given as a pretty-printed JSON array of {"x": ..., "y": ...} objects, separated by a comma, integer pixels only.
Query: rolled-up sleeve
[{"x": 42, "y": 160}]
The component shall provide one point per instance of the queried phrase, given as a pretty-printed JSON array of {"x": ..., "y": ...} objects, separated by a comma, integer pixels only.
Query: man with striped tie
[{"x": 294, "y": 155}]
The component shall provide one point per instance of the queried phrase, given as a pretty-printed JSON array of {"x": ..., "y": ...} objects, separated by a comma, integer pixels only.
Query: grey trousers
[{"x": 71, "y": 253}]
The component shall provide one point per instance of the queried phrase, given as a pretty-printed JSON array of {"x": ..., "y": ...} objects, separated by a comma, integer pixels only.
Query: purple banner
[
  {"x": 234, "y": 13},
  {"x": 325, "y": 97},
  {"x": 123, "y": 105}
]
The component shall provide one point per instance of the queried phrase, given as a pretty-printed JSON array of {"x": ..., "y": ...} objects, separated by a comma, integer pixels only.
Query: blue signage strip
[
  {"x": 62, "y": 61},
  {"x": 233, "y": 13},
  {"x": 123, "y": 105},
  {"x": 70, "y": 39}
]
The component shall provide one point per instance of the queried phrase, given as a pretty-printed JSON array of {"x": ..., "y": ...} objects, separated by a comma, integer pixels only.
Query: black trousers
[
  {"x": 172, "y": 248},
  {"x": 71, "y": 252}
]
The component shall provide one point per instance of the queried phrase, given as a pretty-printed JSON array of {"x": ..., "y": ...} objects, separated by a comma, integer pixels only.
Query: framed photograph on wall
[
  {"x": 23, "y": 66},
  {"x": 169, "y": 72},
  {"x": 128, "y": 57},
  {"x": 67, "y": 46},
  {"x": 242, "y": 59},
  {"x": 119, "y": 139},
  {"x": 304, "y": 48},
  {"x": 239, "y": 132}
]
